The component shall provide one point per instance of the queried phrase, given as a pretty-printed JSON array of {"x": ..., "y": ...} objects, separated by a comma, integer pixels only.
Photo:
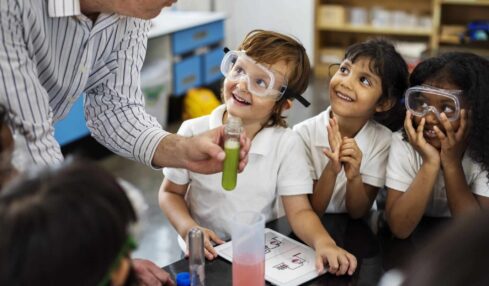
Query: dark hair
[
  {"x": 470, "y": 73},
  {"x": 457, "y": 256},
  {"x": 62, "y": 226},
  {"x": 389, "y": 65},
  {"x": 271, "y": 47}
]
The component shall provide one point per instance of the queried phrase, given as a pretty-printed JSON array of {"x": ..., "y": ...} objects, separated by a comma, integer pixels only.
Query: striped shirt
[{"x": 50, "y": 54}]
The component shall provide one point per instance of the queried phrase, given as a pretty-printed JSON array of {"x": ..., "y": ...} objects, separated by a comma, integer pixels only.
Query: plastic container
[
  {"x": 232, "y": 133},
  {"x": 183, "y": 279},
  {"x": 248, "y": 236},
  {"x": 196, "y": 258},
  {"x": 155, "y": 84},
  {"x": 358, "y": 16}
]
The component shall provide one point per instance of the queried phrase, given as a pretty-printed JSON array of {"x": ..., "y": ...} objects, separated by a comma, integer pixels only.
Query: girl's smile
[{"x": 343, "y": 96}]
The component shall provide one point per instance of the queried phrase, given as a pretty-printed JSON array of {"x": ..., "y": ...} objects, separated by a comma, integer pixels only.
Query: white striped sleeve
[
  {"x": 21, "y": 92},
  {"x": 62, "y": 8},
  {"x": 114, "y": 109}
]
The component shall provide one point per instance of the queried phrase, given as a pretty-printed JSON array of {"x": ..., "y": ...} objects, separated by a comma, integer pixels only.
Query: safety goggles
[
  {"x": 261, "y": 81},
  {"x": 422, "y": 99}
]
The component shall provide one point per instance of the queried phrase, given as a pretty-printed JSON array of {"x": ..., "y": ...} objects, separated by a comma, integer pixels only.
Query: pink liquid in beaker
[{"x": 249, "y": 274}]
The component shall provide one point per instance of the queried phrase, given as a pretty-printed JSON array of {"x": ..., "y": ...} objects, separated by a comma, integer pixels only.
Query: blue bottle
[{"x": 183, "y": 279}]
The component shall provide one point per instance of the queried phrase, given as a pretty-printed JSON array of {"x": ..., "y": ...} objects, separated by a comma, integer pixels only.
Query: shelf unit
[{"x": 333, "y": 36}]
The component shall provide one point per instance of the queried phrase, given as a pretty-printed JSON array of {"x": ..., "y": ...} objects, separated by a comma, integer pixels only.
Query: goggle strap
[{"x": 300, "y": 98}]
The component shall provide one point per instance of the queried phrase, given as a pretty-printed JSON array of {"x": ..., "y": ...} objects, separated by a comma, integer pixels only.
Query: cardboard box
[
  {"x": 331, "y": 55},
  {"x": 331, "y": 15}
]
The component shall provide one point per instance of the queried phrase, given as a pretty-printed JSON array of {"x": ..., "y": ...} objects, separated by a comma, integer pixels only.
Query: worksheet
[{"x": 287, "y": 261}]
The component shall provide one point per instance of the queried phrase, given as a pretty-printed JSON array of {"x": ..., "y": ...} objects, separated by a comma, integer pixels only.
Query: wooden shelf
[
  {"x": 334, "y": 32},
  {"x": 462, "y": 2},
  {"x": 322, "y": 70},
  {"x": 408, "y": 31}
]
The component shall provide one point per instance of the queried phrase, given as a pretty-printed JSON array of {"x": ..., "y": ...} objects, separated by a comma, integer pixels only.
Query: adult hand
[
  {"x": 209, "y": 251},
  {"x": 453, "y": 143},
  {"x": 429, "y": 153},
  {"x": 351, "y": 157},
  {"x": 335, "y": 140},
  {"x": 205, "y": 154},
  {"x": 202, "y": 153},
  {"x": 149, "y": 274}
]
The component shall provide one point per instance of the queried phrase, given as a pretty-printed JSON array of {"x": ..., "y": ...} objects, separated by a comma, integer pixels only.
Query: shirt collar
[
  {"x": 320, "y": 138},
  {"x": 63, "y": 8},
  {"x": 261, "y": 144}
]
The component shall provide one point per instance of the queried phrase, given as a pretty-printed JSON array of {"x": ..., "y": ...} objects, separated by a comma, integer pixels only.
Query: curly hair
[
  {"x": 271, "y": 47},
  {"x": 389, "y": 65},
  {"x": 470, "y": 73}
]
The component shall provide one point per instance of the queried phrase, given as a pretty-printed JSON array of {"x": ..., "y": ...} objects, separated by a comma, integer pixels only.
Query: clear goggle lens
[
  {"x": 261, "y": 81},
  {"x": 421, "y": 100}
]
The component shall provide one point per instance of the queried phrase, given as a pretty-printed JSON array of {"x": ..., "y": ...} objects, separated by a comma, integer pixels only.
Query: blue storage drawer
[
  {"x": 73, "y": 126},
  {"x": 186, "y": 74},
  {"x": 190, "y": 39},
  {"x": 212, "y": 65}
]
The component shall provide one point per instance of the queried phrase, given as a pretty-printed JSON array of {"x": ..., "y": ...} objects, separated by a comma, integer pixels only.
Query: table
[{"x": 370, "y": 241}]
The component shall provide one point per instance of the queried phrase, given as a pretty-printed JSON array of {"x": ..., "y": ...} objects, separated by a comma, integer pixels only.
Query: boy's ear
[
  {"x": 385, "y": 104},
  {"x": 287, "y": 104}
]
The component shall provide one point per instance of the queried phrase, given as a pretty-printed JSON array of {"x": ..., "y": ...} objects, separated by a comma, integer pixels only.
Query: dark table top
[{"x": 368, "y": 239}]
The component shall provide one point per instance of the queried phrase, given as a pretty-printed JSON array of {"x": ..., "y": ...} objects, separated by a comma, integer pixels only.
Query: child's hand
[
  {"x": 351, "y": 157},
  {"x": 416, "y": 139},
  {"x": 453, "y": 144},
  {"x": 334, "y": 139},
  {"x": 338, "y": 260},
  {"x": 209, "y": 251}
]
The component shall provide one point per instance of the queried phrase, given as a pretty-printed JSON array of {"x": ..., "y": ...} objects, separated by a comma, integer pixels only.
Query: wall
[{"x": 285, "y": 16}]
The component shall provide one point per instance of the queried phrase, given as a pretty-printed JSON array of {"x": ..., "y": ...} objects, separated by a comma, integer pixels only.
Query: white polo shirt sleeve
[
  {"x": 293, "y": 176},
  {"x": 480, "y": 185},
  {"x": 401, "y": 169},
  {"x": 180, "y": 176},
  {"x": 374, "y": 159},
  {"x": 305, "y": 139}
]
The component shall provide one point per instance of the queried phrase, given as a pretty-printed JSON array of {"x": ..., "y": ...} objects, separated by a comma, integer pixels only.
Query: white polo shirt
[
  {"x": 404, "y": 163},
  {"x": 373, "y": 140},
  {"x": 276, "y": 167}
]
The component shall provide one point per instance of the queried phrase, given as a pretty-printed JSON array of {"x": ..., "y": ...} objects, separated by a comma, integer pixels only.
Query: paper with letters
[{"x": 287, "y": 261}]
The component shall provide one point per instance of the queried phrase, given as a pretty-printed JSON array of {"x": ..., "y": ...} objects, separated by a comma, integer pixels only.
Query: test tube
[
  {"x": 232, "y": 133},
  {"x": 196, "y": 257}
]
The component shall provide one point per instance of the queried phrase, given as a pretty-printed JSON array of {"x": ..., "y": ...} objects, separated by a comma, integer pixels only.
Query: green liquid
[{"x": 230, "y": 169}]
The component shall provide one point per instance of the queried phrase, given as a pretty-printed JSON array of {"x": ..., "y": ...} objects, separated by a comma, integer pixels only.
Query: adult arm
[{"x": 21, "y": 91}]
